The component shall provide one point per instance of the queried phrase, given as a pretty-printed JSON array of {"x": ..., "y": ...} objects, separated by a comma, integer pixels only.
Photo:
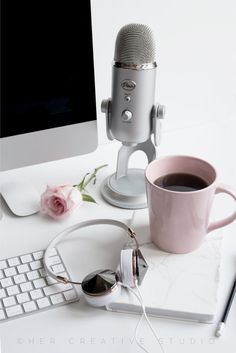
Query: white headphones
[{"x": 101, "y": 287}]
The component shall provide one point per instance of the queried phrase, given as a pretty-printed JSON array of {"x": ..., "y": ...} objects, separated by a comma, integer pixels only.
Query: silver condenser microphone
[{"x": 132, "y": 116}]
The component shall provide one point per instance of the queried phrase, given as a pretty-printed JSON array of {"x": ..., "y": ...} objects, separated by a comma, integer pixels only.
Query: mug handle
[{"x": 223, "y": 188}]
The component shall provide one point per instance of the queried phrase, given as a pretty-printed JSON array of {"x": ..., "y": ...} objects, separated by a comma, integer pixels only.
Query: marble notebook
[{"x": 180, "y": 286}]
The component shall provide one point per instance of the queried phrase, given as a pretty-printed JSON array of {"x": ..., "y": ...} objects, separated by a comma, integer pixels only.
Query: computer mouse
[{"x": 22, "y": 198}]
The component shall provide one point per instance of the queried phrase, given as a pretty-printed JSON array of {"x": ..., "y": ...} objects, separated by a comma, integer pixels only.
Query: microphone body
[
  {"x": 133, "y": 98},
  {"x": 132, "y": 114}
]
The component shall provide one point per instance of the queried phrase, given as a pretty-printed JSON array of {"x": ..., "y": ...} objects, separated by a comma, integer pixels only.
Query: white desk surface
[{"x": 80, "y": 328}]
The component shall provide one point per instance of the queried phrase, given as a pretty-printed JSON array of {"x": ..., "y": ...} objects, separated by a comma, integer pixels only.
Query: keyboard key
[
  {"x": 3, "y": 264},
  {"x": 54, "y": 260},
  {"x": 19, "y": 279},
  {"x": 37, "y": 293},
  {"x": 2, "y": 293},
  {"x": 26, "y": 258},
  {"x": 9, "y": 301},
  {"x": 11, "y": 271},
  {"x": 44, "y": 302},
  {"x": 53, "y": 252},
  {"x": 70, "y": 294},
  {"x": 26, "y": 287},
  {"x": 29, "y": 306},
  {"x": 39, "y": 283},
  {"x": 2, "y": 315},
  {"x": 13, "y": 290},
  {"x": 63, "y": 274},
  {"x": 57, "y": 298},
  {"x": 36, "y": 265},
  {"x": 58, "y": 268},
  {"x": 42, "y": 272},
  {"x": 1, "y": 274},
  {"x": 14, "y": 310},
  {"x": 6, "y": 282},
  {"x": 23, "y": 268},
  {"x": 23, "y": 297},
  {"x": 51, "y": 280},
  {"x": 56, "y": 288},
  {"x": 14, "y": 261},
  {"x": 32, "y": 275},
  {"x": 38, "y": 255}
]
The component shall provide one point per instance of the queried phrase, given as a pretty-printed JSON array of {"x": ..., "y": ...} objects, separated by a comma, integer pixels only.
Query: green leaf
[
  {"x": 93, "y": 176},
  {"x": 88, "y": 178},
  {"x": 88, "y": 198},
  {"x": 101, "y": 166},
  {"x": 80, "y": 186}
]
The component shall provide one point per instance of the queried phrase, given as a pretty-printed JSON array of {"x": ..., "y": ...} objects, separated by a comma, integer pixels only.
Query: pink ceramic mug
[{"x": 179, "y": 220}]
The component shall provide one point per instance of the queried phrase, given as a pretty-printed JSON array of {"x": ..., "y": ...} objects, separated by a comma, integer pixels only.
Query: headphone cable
[{"x": 144, "y": 314}]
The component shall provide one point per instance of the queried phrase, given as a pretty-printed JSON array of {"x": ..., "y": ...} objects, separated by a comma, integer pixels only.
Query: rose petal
[{"x": 60, "y": 200}]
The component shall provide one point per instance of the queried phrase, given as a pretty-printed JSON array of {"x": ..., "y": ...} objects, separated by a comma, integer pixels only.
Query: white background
[
  {"x": 196, "y": 49},
  {"x": 196, "y": 55}
]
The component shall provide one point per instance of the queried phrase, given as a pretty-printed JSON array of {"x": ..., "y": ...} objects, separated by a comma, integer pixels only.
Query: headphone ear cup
[
  {"x": 127, "y": 266},
  {"x": 103, "y": 300},
  {"x": 101, "y": 287}
]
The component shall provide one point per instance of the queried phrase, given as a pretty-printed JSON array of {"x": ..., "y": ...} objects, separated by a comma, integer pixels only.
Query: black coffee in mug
[{"x": 182, "y": 182}]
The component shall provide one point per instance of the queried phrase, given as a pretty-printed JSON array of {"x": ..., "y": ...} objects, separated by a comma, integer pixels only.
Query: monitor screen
[
  {"x": 47, "y": 82},
  {"x": 47, "y": 65}
]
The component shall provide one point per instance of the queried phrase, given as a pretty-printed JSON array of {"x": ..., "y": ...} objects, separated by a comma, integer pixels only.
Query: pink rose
[{"x": 59, "y": 201}]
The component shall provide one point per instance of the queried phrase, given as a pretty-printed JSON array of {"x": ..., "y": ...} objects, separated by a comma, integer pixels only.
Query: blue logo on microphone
[{"x": 128, "y": 85}]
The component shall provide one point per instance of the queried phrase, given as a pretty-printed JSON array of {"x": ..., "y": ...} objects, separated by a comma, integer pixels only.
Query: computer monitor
[{"x": 48, "y": 108}]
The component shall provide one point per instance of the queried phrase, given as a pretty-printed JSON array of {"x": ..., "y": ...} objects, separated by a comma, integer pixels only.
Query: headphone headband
[{"x": 80, "y": 225}]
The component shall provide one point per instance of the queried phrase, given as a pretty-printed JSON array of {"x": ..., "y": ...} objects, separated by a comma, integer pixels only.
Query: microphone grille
[{"x": 135, "y": 45}]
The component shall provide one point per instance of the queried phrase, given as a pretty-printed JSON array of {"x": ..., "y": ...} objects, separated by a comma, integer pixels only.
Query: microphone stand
[{"x": 126, "y": 187}]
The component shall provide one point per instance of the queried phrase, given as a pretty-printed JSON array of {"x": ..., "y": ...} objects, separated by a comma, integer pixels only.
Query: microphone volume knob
[
  {"x": 127, "y": 115},
  {"x": 105, "y": 105},
  {"x": 161, "y": 110}
]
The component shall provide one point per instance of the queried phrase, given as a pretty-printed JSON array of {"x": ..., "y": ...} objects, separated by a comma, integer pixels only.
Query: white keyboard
[{"x": 26, "y": 288}]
